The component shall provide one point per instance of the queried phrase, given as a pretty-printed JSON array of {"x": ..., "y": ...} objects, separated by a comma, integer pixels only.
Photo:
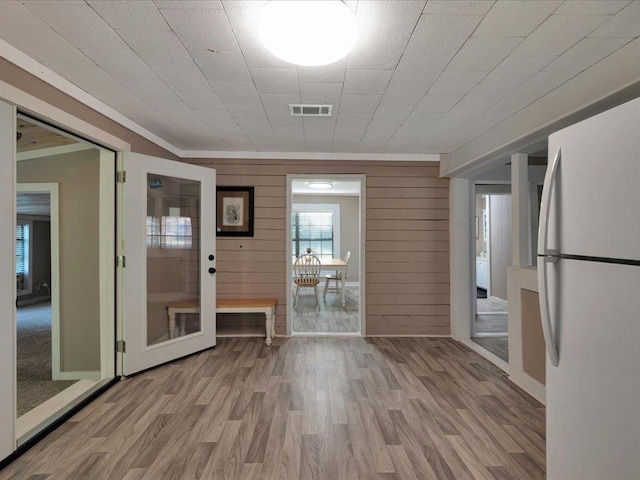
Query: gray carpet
[{"x": 34, "y": 358}]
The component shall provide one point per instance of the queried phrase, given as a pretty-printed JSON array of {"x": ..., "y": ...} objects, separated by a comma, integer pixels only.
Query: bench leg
[
  {"x": 268, "y": 326},
  {"x": 273, "y": 323},
  {"x": 172, "y": 324},
  {"x": 183, "y": 319}
]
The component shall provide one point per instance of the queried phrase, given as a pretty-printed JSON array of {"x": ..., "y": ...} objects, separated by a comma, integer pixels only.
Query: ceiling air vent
[{"x": 305, "y": 110}]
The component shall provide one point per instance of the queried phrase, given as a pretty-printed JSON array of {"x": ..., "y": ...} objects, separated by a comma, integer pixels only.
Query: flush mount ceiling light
[
  {"x": 320, "y": 184},
  {"x": 308, "y": 32}
]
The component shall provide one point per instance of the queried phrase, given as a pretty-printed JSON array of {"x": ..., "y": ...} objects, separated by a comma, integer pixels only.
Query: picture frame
[{"x": 234, "y": 211}]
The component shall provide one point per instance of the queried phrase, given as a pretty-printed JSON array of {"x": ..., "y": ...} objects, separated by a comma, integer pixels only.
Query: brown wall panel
[{"x": 407, "y": 240}]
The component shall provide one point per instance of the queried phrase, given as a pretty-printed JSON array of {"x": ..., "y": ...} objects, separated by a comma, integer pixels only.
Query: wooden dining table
[{"x": 334, "y": 264}]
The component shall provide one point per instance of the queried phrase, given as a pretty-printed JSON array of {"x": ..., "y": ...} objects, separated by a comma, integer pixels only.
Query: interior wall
[
  {"x": 349, "y": 235},
  {"x": 77, "y": 175},
  {"x": 407, "y": 240},
  {"x": 500, "y": 240},
  {"x": 40, "y": 237}
]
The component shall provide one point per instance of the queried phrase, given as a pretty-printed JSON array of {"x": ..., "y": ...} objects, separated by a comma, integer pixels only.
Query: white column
[
  {"x": 461, "y": 221},
  {"x": 520, "y": 230}
]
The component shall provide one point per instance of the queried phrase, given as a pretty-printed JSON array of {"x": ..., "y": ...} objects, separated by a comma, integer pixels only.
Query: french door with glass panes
[{"x": 168, "y": 260}]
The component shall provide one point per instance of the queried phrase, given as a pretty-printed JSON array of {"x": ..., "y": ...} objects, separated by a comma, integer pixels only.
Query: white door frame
[
  {"x": 361, "y": 267},
  {"x": 7, "y": 280}
]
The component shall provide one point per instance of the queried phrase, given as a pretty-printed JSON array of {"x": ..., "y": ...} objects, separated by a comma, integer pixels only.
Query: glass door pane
[{"x": 173, "y": 253}]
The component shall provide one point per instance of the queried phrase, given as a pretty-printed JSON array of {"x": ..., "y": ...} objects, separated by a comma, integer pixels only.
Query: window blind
[
  {"x": 20, "y": 248},
  {"x": 313, "y": 230}
]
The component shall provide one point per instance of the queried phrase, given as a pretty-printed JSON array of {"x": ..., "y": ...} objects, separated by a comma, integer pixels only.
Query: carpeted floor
[{"x": 34, "y": 358}]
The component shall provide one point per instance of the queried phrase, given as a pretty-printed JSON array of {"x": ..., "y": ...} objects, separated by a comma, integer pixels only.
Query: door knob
[
  {"x": 212, "y": 270},
  {"x": 211, "y": 257}
]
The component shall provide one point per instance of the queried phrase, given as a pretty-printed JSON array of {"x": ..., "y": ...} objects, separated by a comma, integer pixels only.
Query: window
[
  {"x": 169, "y": 232},
  {"x": 22, "y": 257},
  {"x": 315, "y": 226}
]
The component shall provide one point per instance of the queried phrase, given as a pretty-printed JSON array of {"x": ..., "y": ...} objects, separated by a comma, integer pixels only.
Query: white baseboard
[
  {"x": 31, "y": 301},
  {"x": 529, "y": 385},
  {"x": 88, "y": 375}
]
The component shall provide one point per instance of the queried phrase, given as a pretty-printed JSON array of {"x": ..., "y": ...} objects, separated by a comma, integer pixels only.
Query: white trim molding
[{"x": 379, "y": 157}]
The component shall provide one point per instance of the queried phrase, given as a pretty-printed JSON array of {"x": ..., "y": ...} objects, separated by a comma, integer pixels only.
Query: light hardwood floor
[
  {"x": 305, "y": 408},
  {"x": 330, "y": 316}
]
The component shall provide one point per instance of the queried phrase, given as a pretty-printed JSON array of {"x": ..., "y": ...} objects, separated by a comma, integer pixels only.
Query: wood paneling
[
  {"x": 35, "y": 137},
  {"x": 407, "y": 240},
  {"x": 304, "y": 408}
]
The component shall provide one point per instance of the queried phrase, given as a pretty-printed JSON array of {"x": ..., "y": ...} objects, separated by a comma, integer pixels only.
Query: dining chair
[
  {"x": 337, "y": 276},
  {"x": 306, "y": 274}
]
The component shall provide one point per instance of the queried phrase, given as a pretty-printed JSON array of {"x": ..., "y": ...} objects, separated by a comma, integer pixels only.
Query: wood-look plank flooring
[
  {"x": 491, "y": 305},
  {"x": 499, "y": 346},
  {"x": 330, "y": 316},
  {"x": 305, "y": 408},
  {"x": 492, "y": 323}
]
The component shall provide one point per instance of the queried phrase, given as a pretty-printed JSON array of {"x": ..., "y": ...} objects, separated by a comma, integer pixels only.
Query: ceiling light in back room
[
  {"x": 308, "y": 32},
  {"x": 320, "y": 184}
]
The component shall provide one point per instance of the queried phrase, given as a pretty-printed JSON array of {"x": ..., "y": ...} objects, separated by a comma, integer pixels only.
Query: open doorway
[
  {"x": 493, "y": 255},
  {"x": 325, "y": 218}
]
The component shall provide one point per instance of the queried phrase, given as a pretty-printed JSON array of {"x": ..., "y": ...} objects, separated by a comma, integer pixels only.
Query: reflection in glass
[{"x": 173, "y": 252}]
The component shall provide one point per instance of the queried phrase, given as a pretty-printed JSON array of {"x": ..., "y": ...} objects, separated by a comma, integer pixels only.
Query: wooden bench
[{"x": 225, "y": 305}]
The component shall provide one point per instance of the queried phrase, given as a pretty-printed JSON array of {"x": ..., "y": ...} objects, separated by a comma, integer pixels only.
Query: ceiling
[
  {"x": 34, "y": 137},
  {"x": 33, "y": 203},
  {"x": 340, "y": 187},
  {"x": 424, "y": 77}
]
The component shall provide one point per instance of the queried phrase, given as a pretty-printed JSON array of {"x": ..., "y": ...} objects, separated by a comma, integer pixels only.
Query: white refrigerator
[{"x": 589, "y": 279}]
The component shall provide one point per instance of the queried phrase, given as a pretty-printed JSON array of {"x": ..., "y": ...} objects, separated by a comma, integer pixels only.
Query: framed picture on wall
[{"x": 234, "y": 211}]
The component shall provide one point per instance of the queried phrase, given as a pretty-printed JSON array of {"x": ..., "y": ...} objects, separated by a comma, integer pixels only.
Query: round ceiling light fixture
[
  {"x": 320, "y": 184},
  {"x": 308, "y": 32}
]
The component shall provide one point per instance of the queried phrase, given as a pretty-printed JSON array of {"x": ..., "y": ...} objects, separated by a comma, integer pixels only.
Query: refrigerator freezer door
[
  {"x": 595, "y": 204},
  {"x": 593, "y": 425}
]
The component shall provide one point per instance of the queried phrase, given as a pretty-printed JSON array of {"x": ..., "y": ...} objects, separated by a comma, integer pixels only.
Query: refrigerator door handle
[{"x": 546, "y": 256}]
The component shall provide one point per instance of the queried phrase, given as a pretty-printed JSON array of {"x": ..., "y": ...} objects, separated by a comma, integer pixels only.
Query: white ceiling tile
[
  {"x": 249, "y": 111},
  {"x": 252, "y": 126},
  {"x": 418, "y": 121},
  {"x": 383, "y": 126},
  {"x": 456, "y": 83},
  {"x": 437, "y": 103},
  {"x": 89, "y": 77},
  {"x": 485, "y": 94},
  {"x": 385, "y": 28},
  {"x": 201, "y": 100},
  {"x": 45, "y": 45},
  {"x": 288, "y": 131},
  {"x": 320, "y": 92},
  {"x": 256, "y": 55},
  {"x": 404, "y": 93},
  {"x": 157, "y": 47},
  {"x": 130, "y": 14},
  {"x": 319, "y": 145},
  {"x": 283, "y": 120},
  {"x": 482, "y": 54},
  {"x": 346, "y": 119},
  {"x": 276, "y": 80},
  {"x": 625, "y": 23},
  {"x": 121, "y": 63},
  {"x": 366, "y": 81},
  {"x": 344, "y": 145},
  {"x": 345, "y": 131},
  {"x": 459, "y": 7},
  {"x": 467, "y": 110},
  {"x": 509, "y": 105},
  {"x": 222, "y": 66},
  {"x": 585, "y": 53},
  {"x": 172, "y": 109},
  {"x": 218, "y": 118},
  {"x": 515, "y": 18},
  {"x": 150, "y": 90},
  {"x": 126, "y": 103},
  {"x": 202, "y": 29},
  {"x": 591, "y": 7},
  {"x": 186, "y": 4},
  {"x": 441, "y": 35},
  {"x": 393, "y": 112},
  {"x": 558, "y": 33},
  {"x": 419, "y": 68},
  {"x": 236, "y": 92},
  {"x": 81, "y": 25},
  {"x": 333, "y": 73},
  {"x": 359, "y": 103},
  {"x": 515, "y": 69},
  {"x": 541, "y": 84},
  {"x": 15, "y": 15},
  {"x": 318, "y": 126},
  {"x": 244, "y": 14},
  {"x": 184, "y": 78},
  {"x": 278, "y": 102}
]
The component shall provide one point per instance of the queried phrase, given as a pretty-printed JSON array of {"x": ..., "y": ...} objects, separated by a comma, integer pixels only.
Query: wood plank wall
[{"x": 407, "y": 240}]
